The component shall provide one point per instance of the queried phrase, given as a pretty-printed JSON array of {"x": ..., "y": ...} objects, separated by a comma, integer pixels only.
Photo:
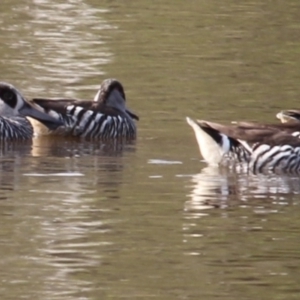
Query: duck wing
[
  {"x": 258, "y": 133},
  {"x": 60, "y": 105}
]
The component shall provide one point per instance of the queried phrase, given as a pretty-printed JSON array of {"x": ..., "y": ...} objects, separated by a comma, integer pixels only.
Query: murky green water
[{"x": 148, "y": 220}]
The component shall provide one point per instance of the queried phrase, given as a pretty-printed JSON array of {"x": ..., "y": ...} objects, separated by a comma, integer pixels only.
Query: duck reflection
[
  {"x": 217, "y": 187},
  {"x": 211, "y": 188},
  {"x": 92, "y": 166},
  {"x": 78, "y": 214},
  {"x": 44, "y": 146},
  {"x": 70, "y": 191},
  {"x": 77, "y": 186},
  {"x": 99, "y": 164},
  {"x": 12, "y": 159}
]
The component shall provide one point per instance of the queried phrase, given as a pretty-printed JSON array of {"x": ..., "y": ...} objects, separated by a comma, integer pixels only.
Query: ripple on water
[
  {"x": 215, "y": 187},
  {"x": 69, "y": 174},
  {"x": 164, "y": 162},
  {"x": 62, "y": 50},
  {"x": 72, "y": 242}
]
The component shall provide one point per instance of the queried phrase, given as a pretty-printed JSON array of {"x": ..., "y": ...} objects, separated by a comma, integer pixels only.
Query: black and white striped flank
[
  {"x": 15, "y": 128},
  {"x": 238, "y": 151},
  {"x": 275, "y": 158},
  {"x": 92, "y": 124}
]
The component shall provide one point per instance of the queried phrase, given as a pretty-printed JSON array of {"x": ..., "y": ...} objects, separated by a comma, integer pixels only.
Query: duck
[
  {"x": 104, "y": 117},
  {"x": 263, "y": 147},
  {"x": 289, "y": 116},
  {"x": 14, "y": 110}
]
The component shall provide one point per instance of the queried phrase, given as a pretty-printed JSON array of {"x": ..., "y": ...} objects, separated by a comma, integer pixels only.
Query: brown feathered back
[{"x": 271, "y": 134}]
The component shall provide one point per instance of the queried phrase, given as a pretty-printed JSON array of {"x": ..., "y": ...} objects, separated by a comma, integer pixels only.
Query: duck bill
[
  {"x": 29, "y": 111},
  {"x": 116, "y": 100},
  {"x": 132, "y": 115}
]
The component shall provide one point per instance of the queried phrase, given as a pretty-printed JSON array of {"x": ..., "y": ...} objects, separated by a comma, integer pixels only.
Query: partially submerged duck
[
  {"x": 105, "y": 117},
  {"x": 13, "y": 112},
  {"x": 274, "y": 147}
]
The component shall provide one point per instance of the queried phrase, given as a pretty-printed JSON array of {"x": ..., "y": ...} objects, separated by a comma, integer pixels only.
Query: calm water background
[{"x": 149, "y": 220}]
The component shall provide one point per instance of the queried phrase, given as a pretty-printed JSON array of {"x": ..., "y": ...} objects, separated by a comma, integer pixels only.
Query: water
[{"x": 149, "y": 220}]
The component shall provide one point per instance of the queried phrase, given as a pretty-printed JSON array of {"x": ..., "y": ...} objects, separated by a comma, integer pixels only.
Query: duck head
[
  {"x": 13, "y": 104},
  {"x": 111, "y": 93}
]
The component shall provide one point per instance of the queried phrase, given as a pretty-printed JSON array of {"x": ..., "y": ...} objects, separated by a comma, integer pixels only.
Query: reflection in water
[
  {"x": 218, "y": 187},
  {"x": 64, "y": 40},
  {"x": 100, "y": 161},
  {"x": 208, "y": 186},
  {"x": 67, "y": 241},
  {"x": 12, "y": 157},
  {"x": 102, "y": 229},
  {"x": 74, "y": 224},
  {"x": 70, "y": 51},
  {"x": 72, "y": 147},
  {"x": 70, "y": 189},
  {"x": 246, "y": 242}
]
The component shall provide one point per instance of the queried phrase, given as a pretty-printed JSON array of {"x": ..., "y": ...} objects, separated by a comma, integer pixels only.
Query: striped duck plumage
[
  {"x": 13, "y": 112},
  {"x": 274, "y": 147},
  {"x": 104, "y": 117}
]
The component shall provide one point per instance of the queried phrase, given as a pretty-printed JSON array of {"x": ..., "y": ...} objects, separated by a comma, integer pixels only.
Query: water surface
[{"x": 149, "y": 219}]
